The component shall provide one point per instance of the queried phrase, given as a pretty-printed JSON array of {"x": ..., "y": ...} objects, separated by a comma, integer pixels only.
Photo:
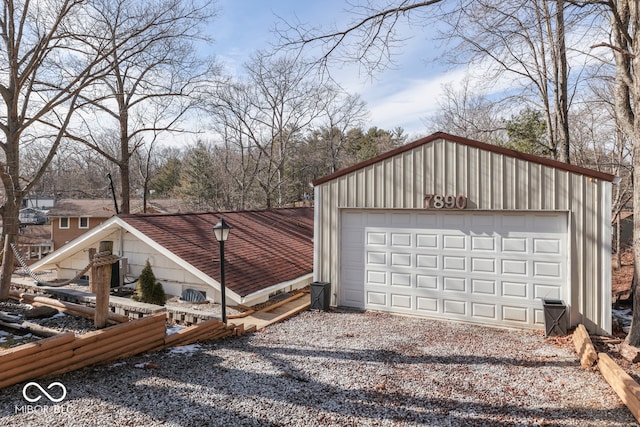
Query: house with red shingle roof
[
  {"x": 71, "y": 218},
  {"x": 267, "y": 251}
]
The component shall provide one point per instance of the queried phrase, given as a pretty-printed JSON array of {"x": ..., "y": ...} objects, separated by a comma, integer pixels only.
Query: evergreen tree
[{"x": 148, "y": 289}]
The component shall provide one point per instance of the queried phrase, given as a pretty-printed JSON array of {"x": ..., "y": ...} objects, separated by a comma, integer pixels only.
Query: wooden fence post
[
  {"x": 102, "y": 285},
  {"x": 92, "y": 270}
]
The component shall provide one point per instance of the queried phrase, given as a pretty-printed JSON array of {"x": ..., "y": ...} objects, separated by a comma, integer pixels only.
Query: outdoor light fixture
[{"x": 221, "y": 230}]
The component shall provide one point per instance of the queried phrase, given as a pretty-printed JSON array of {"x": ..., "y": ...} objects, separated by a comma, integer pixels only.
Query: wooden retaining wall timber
[
  {"x": 625, "y": 387},
  {"x": 67, "y": 352},
  {"x": 584, "y": 347},
  {"x": 207, "y": 330}
]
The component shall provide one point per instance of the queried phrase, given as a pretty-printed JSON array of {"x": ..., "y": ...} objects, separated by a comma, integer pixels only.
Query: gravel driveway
[{"x": 339, "y": 369}]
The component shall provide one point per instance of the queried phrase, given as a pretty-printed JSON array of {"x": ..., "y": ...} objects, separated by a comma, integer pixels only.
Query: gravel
[{"x": 335, "y": 369}]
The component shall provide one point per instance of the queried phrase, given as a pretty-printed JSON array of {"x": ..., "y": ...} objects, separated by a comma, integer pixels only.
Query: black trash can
[
  {"x": 320, "y": 295},
  {"x": 555, "y": 317}
]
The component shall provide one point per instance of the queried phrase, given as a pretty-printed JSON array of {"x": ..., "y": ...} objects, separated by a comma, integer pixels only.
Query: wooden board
[
  {"x": 584, "y": 347},
  {"x": 625, "y": 387}
]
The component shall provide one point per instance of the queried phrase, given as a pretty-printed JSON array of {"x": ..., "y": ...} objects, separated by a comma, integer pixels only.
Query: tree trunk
[
  {"x": 13, "y": 198},
  {"x": 634, "y": 334},
  {"x": 125, "y": 183},
  {"x": 562, "y": 103}
]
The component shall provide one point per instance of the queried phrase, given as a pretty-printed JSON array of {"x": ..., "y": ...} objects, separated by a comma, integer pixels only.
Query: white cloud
[{"x": 407, "y": 102}]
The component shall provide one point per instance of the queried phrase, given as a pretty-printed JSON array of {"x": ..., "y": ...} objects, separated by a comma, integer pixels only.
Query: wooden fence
[{"x": 67, "y": 352}]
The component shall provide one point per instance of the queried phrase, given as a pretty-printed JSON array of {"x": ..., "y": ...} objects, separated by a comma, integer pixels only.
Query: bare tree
[
  {"x": 371, "y": 38},
  {"x": 264, "y": 119},
  {"x": 625, "y": 47},
  {"x": 236, "y": 121},
  {"x": 46, "y": 64},
  {"x": 526, "y": 41},
  {"x": 465, "y": 111},
  {"x": 153, "y": 75},
  {"x": 342, "y": 111}
]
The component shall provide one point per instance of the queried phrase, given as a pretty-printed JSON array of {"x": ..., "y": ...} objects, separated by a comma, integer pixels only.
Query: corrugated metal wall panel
[{"x": 491, "y": 181}]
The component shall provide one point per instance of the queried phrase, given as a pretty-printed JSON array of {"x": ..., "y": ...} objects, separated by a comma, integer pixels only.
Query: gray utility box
[
  {"x": 320, "y": 295},
  {"x": 555, "y": 317}
]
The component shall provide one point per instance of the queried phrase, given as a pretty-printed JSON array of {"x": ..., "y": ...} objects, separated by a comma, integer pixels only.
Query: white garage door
[{"x": 491, "y": 268}]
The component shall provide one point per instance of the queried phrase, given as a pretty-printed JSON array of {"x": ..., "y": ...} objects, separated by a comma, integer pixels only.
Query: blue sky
[{"x": 404, "y": 96}]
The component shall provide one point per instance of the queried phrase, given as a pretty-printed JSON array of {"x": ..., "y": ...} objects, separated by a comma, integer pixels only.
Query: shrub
[{"x": 148, "y": 289}]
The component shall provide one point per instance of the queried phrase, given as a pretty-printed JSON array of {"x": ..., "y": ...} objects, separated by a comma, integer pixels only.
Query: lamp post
[{"x": 221, "y": 230}]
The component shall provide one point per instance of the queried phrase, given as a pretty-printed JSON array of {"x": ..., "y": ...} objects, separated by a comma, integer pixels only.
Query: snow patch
[
  {"x": 185, "y": 349},
  {"x": 174, "y": 328}
]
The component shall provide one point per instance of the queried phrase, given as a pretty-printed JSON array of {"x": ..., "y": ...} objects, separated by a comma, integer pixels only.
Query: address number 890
[{"x": 438, "y": 201}]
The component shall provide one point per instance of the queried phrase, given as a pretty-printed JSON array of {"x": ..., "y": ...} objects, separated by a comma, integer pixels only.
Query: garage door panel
[
  {"x": 514, "y": 267},
  {"x": 547, "y": 270},
  {"x": 376, "y": 258},
  {"x": 427, "y": 261},
  {"x": 454, "y": 307},
  {"x": 377, "y": 299},
  {"x": 547, "y": 291},
  {"x": 426, "y": 282},
  {"x": 515, "y": 314},
  {"x": 464, "y": 266},
  {"x": 486, "y": 311},
  {"x": 453, "y": 263},
  {"x": 547, "y": 246},
  {"x": 515, "y": 289},
  {"x": 400, "y": 240},
  {"x": 401, "y": 301},
  {"x": 456, "y": 284},
  {"x": 401, "y": 279},
  {"x": 376, "y": 277},
  {"x": 400, "y": 259},
  {"x": 514, "y": 244},
  {"x": 484, "y": 287},
  {"x": 427, "y": 241},
  {"x": 427, "y": 305},
  {"x": 483, "y": 243},
  {"x": 376, "y": 238},
  {"x": 453, "y": 242},
  {"x": 483, "y": 265}
]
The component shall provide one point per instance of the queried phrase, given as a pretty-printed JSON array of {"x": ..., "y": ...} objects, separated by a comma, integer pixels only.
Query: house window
[
  {"x": 83, "y": 222},
  {"x": 64, "y": 222}
]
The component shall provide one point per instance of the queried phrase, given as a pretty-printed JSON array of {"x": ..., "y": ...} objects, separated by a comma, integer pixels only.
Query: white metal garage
[
  {"x": 486, "y": 267},
  {"x": 454, "y": 228}
]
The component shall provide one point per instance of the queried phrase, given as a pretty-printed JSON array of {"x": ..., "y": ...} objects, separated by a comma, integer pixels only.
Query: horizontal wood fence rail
[{"x": 67, "y": 352}]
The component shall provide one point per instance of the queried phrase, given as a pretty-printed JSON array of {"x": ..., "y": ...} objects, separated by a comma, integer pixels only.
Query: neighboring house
[
  {"x": 453, "y": 228},
  {"x": 267, "y": 251},
  {"x": 38, "y": 202},
  {"x": 34, "y": 241},
  {"x": 70, "y": 218},
  {"x": 32, "y": 216}
]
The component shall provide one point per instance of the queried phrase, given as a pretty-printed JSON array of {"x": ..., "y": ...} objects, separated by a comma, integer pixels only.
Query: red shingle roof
[{"x": 264, "y": 247}]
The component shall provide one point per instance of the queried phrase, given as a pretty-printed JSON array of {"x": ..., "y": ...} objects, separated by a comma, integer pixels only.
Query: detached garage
[{"x": 452, "y": 228}]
